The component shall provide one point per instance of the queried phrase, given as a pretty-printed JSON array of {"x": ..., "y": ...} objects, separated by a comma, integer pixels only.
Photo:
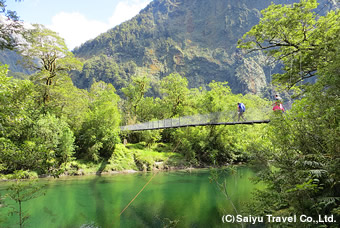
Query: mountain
[
  {"x": 12, "y": 59},
  {"x": 195, "y": 38}
]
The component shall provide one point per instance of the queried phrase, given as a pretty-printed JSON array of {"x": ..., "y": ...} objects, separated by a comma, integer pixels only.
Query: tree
[
  {"x": 22, "y": 192},
  {"x": 55, "y": 141},
  {"x": 303, "y": 164},
  {"x": 17, "y": 109},
  {"x": 29, "y": 140},
  {"x": 43, "y": 145},
  {"x": 47, "y": 53},
  {"x": 175, "y": 94},
  {"x": 11, "y": 28},
  {"x": 134, "y": 94},
  {"x": 104, "y": 68},
  {"x": 100, "y": 130},
  {"x": 296, "y": 35},
  {"x": 69, "y": 102}
]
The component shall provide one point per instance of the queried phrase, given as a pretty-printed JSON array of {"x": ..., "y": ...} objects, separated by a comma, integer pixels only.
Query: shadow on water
[
  {"x": 98, "y": 198},
  {"x": 102, "y": 167},
  {"x": 96, "y": 213}
]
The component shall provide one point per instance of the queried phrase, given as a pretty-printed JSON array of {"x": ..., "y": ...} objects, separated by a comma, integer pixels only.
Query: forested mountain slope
[{"x": 194, "y": 38}]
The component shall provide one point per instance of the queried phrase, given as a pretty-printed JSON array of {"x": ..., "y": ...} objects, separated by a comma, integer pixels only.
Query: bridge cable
[{"x": 137, "y": 194}]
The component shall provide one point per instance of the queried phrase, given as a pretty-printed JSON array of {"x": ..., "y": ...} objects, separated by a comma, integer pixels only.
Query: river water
[{"x": 187, "y": 199}]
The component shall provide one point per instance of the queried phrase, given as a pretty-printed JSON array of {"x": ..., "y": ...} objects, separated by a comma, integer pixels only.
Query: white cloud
[
  {"x": 76, "y": 29},
  {"x": 125, "y": 10}
]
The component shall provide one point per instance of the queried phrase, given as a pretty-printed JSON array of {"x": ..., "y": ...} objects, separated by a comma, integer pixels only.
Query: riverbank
[{"x": 125, "y": 159}]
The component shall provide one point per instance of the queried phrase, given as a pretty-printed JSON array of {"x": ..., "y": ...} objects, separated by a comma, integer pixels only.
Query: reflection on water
[{"x": 187, "y": 199}]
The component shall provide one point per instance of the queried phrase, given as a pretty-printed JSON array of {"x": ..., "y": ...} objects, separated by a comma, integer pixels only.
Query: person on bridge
[
  {"x": 277, "y": 105},
  {"x": 241, "y": 108},
  {"x": 277, "y": 97}
]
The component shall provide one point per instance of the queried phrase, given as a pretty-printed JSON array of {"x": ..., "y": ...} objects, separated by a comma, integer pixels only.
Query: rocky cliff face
[{"x": 194, "y": 38}]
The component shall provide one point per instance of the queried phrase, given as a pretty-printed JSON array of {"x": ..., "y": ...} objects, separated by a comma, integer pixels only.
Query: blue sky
[{"x": 77, "y": 20}]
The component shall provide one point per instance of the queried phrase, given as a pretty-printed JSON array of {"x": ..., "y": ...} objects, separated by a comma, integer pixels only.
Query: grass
[
  {"x": 138, "y": 157},
  {"x": 141, "y": 157}
]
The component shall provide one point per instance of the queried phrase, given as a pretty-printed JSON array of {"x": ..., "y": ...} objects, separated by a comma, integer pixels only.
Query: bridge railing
[{"x": 201, "y": 119}]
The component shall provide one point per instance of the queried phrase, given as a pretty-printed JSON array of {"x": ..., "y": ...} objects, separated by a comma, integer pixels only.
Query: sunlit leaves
[
  {"x": 297, "y": 36},
  {"x": 11, "y": 28},
  {"x": 99, "y": 132},
  {"x": 134, "y": 94},
  {"x": 174, "y": 89},
  {"x": 47, "y": 53}
]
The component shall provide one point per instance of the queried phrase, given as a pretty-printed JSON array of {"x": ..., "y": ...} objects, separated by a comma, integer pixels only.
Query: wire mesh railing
[{"x": 232, "y": 117}]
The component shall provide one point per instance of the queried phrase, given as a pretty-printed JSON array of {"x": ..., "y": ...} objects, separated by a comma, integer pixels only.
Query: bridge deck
[{"x": 124, "y": 128}]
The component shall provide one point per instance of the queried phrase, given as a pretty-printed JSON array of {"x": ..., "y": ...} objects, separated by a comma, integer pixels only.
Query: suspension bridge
[{"x": 251, "y": 116}]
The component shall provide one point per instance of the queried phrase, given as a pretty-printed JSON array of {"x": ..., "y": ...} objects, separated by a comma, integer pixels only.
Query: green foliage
[
  {"x": 54, "y": 136},
  {"x": 68, "y": 102},
  {"x": 48, "y": 54},
  {"x": 16, "y": 109},
  {"x": 41, "y": 137},
  {"x": 150, "y": 108},
  {"x": 138, "y": 108},
  {"x": 28, "y": 139},
  {"x": 122, "y": 159},
  {"x": 137, "y": 157},
  {"x": 10, "y": 31},
  {"x": 165, "y": 39},
  {"x": 175, "y": 92},
  {"x": 46, "y": 145},
  {"x": 294, "y": 34},
  {"x": 201, "y": 145},
  {"x": 134, "y": 94},
  {"x": 106, "y": 69},
  {"x": 2, "y": 207},
  {"x": 151, "y": 137},
  {"x": 306, "y": 153},
  {"x": 21, "y": 192},
  {"x": 222, "y": 144},
  {"x": 17, "y": 104},
  {"x": 302, "y": 171},
  {"x": 100, "y": 130}
]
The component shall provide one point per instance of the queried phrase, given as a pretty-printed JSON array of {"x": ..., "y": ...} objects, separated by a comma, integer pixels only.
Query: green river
[{"x": 187, "y": 199}]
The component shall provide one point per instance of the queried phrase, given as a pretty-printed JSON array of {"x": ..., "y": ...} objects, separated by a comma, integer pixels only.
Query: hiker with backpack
[
  {"x": 241, "y": 108},
  {"x": 277, "y": 105}
]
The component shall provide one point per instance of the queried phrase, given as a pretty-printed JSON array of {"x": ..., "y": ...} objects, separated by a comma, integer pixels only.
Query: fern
[{"x": 318, "y": 172}]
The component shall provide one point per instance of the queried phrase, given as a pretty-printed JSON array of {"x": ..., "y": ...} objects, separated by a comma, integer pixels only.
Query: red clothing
[{"x": 278, "y": 107}]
